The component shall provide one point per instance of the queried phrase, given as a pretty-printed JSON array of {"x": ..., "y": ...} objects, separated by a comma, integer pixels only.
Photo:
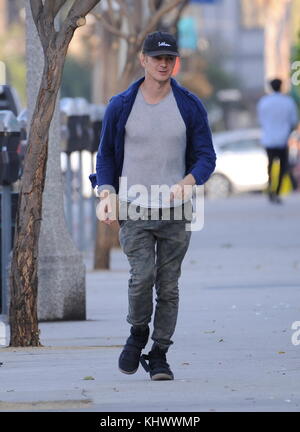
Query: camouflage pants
[{"x": 155, "y": 250}]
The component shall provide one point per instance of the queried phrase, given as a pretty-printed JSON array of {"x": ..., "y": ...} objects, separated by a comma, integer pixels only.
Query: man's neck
[{"x": 154, "y": 91}]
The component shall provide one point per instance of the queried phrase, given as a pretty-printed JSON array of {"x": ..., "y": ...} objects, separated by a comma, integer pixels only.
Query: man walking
[
  {"x": 277, "y": 115},
  {"x": 154, "y": 134}
]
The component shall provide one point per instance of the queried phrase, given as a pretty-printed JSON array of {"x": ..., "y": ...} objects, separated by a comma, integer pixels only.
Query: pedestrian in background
[
  {"x": 155, "y": 133},
  {"x": 277, "y": 115}
]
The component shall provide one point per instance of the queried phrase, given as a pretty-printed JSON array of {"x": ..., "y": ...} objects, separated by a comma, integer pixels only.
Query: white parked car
[{"x": 242, "y": 164}]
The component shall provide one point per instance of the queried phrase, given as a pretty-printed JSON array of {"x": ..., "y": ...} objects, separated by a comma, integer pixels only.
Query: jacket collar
[{"x": 133, "y": 89}]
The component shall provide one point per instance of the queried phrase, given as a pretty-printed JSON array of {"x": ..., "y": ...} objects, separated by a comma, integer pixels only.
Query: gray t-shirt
[{"x": 154, "y": 153}]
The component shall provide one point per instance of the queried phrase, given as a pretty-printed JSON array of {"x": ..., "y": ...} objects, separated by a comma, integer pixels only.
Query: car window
[{"x": 241, "y": 145}]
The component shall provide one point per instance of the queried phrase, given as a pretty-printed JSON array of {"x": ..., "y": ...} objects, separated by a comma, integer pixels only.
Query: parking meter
[
  {"x": 83, "y": 109},
  {"x": 9, "y": 100},
  {"x": 23, "y": 121},
  {"x": 10, "y": 133},
  {"x": 75, "y": 113},
  {"x": 97, "y": 114},
  {"x": 73, "y": 139}
]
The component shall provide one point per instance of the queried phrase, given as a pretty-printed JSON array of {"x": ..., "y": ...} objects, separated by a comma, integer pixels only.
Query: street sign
[{"x": 188, "y": 36}]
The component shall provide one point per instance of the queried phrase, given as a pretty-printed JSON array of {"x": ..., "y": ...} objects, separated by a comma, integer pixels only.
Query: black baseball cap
[{"x": 159, "y": 43}]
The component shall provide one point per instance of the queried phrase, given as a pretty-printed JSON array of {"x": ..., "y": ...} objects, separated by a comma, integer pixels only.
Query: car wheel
[{"x": 217, "y": 186}]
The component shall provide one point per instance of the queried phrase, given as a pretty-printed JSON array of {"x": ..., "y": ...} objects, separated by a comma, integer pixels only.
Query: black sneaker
[
  {"x": 130, "y": 356},
  {"x": 274, "y": 198},
  {"x": 157, "y": 365},
  {"x": 277, "y": 200}
]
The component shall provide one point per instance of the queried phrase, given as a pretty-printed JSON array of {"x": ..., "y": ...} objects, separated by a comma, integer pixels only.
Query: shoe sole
[
  {"x": 161, "y": 377},
  {"x": 128, "y": 373}
]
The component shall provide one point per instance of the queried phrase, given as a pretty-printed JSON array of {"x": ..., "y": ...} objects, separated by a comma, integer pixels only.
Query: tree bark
[
  {"x": 24, "y": 281},
  {"x": 107, "y": 237},
  {"x": 24, "y": 329},
  {"x": 277, "y": 41},
  {"x": 130, "y": 69}
]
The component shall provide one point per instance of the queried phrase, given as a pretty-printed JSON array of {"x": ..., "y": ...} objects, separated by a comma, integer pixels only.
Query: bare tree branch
[
  {"x": 179, "y": 12},
  {"x": 48, "y": 17},
  {"x": 42, "y": 18},
  {"x": 124, "y": 10},
  {"x": 111, "y": 13},
  {"x": 36, "y": 9},
  {"x": 48, "y": 8},
  {"x": 158, "y": 13},
  {"x": 81, "y": 9},
  {"x": 110, "y": 27},
  {"x": 165, "y": 8},
  {"x": 52, "y": 7},
  {"x": 158, "y": 3},
  {"x": 154, "y": 5},
  {"x": 58, "y": 4},
  {"x": 151, "y": 5},
  {"x": 75, "y": 18},
  {"x": 141, "y": 27}
]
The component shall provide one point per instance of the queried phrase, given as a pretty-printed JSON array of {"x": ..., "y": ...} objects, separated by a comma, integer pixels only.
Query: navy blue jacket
[{"x": 200, "y": 157}]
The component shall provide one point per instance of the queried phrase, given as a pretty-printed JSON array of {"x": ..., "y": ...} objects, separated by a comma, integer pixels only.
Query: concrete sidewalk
[{"x": 232, "y": 346}]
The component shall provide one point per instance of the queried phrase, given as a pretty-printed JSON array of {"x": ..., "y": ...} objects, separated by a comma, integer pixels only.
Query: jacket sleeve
[
  {"x": 203, "y": 153},
  {"x": 105, "y": 164}
]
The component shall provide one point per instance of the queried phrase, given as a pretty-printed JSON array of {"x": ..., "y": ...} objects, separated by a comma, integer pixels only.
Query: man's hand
[
  {"x": 183, "y": 189},
  {"x": 107, "y": 208}
]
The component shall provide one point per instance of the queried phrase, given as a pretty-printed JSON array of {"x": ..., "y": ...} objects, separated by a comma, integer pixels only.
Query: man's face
[{"x": 160, "y": 68}]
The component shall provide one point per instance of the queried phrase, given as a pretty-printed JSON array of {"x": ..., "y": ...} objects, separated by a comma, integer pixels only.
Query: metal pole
[
  {"x": 81, "y": 208},
  {"x": 69, "y": 192},
  {"x": 5, "y": 244}
]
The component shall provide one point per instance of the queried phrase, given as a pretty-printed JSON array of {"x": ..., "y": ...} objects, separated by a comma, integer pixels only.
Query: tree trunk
[
  {"x": 107, "y": 237},
  {"x": 130, "y": 69},
  {"x": 277, "y": 41},
  {"x": 24, "y": 281},
  {"x": 24, "y": 268}
]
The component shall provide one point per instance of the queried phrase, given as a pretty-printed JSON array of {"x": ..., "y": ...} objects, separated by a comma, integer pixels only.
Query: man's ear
[{"x": 143, "y": 59}]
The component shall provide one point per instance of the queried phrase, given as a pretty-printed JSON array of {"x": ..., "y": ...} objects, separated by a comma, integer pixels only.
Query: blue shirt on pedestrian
[
  {"x": 200, "y": 157},
  {"x": 277, "y": 115}
]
